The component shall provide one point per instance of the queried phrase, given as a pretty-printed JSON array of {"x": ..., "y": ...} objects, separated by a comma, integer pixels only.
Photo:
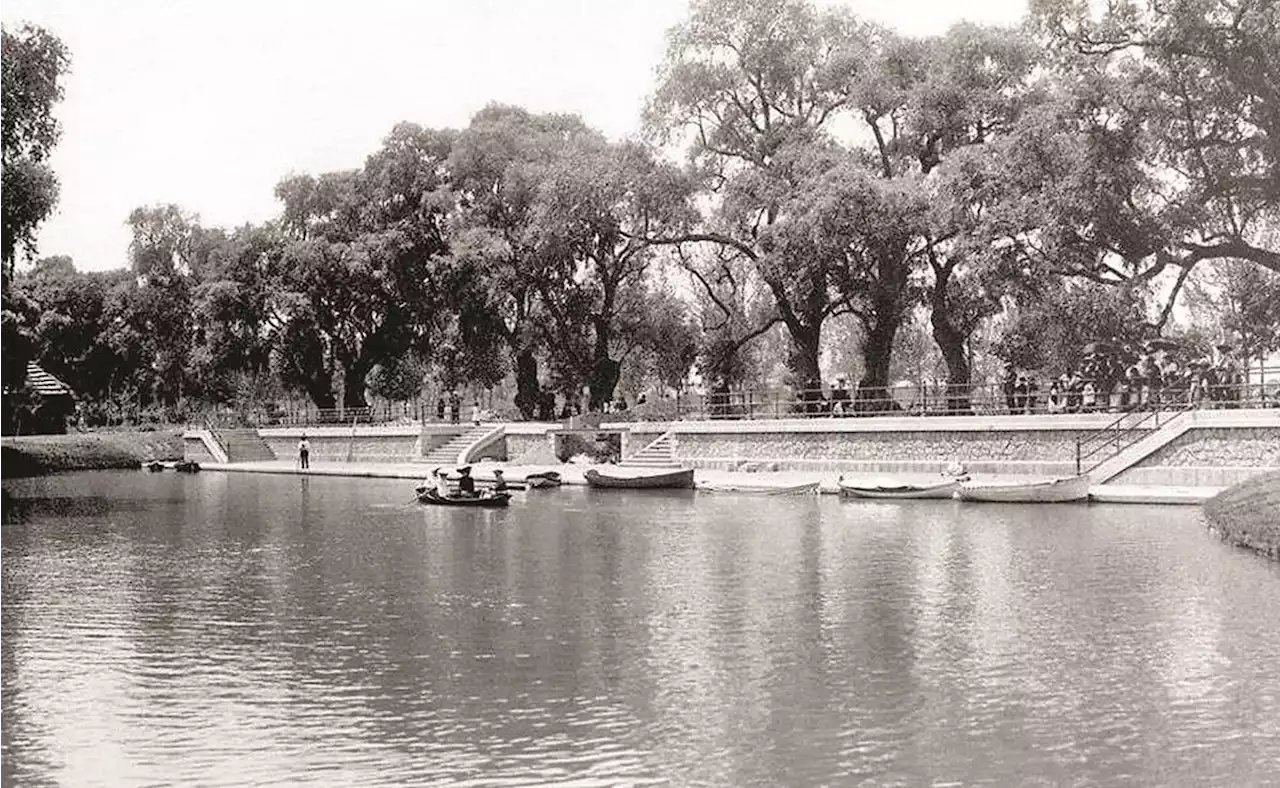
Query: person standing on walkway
[
  {"x": 455, "y": 404},
  {"x": 304, "y": 452}
]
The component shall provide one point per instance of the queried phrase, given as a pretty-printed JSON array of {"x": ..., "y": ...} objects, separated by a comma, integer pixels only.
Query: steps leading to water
[
  {"x": 660, "y": 453},
  {"x": 1147, "y": 445},
  {"x": 243, "y": 445},
  {"x": 450, "y": 452}
]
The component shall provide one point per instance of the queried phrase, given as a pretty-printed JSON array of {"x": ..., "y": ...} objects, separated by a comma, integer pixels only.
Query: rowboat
[
  {"x": 896, "y": 488},
  {"x": 1062, "y": 490},
  {"x": 428, "y": 495},
  {"x": 641, "y": 478},
  {"x": 808, "y": 488},
  {"x": 542, "y": 480}
]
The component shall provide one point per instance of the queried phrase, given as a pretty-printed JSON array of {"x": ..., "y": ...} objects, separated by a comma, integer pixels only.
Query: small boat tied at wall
[
  {"x": 1061, "y": 490},
  {"x": 748, "y": 488},
  {"x": 946, "y": 485},
  {"x": 640, "y": 478},
  {"x": 897, "y": 488}
]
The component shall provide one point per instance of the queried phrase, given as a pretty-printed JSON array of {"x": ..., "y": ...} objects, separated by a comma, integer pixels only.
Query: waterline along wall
[{"x": 1214, "y": 448}]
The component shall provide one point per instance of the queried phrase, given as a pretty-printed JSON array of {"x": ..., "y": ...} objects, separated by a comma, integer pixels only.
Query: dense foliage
[{"x": 1016, "y": 193}]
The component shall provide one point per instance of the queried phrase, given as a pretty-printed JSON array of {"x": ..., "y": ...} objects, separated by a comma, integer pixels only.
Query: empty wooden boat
[
  {"x": 897, "y": 488},
  {"x": 639, "y": 478},
  {"x": 1062, "y": 490},
  {"x": 760, "y": 488}
]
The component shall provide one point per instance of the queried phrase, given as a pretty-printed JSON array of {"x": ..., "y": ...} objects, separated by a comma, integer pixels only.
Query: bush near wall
[{"x": 37, "y": 455}]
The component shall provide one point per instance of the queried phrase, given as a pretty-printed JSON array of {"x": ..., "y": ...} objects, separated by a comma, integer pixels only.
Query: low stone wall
[
  {"x": 341, "y": 444},
  {"x": 932, "y": 447},
  {"x": 194, "y": 450},
  {"x": 530, "y": 444},
  {"x": 1248, "y": 515}
]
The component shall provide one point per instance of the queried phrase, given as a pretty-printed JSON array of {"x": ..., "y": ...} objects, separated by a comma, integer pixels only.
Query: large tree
[
  {"x": 360, "y": 276},
  {"x": 496, "y": 165},
  {"x": 742, "y": 83},
  {"x": 596, "y": 208},
  {"x": 1180, "y": 102},
  {"x": 975, "y": 83},
  {"x": 34, "y": 62}
]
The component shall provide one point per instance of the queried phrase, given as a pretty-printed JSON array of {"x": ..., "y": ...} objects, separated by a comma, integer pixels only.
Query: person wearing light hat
[{"x": 499, "y": 483}]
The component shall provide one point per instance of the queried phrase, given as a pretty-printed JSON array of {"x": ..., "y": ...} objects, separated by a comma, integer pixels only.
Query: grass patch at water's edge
[
  {"x": 1248, "y": 514},
  {"x": 35, "y": 455}
]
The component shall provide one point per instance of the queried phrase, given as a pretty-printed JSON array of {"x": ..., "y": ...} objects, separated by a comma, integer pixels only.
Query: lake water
[{"x": 239, "y": 629}]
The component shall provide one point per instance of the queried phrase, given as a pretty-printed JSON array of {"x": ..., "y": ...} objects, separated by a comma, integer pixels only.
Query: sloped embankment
[
  {"x": 1248, "y": 514},
  {"x": 36, "y": 455}
]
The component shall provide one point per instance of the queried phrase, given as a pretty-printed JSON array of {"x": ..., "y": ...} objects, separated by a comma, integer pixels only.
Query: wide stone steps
[
  {"x": 661, "y": 453},
  {"x": 447, "y": 454},
  {"x": 243, "y": 445}
]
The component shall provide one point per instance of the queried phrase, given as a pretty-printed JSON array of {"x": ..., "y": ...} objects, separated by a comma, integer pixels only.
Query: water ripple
[{"x": 242, "y": 631}]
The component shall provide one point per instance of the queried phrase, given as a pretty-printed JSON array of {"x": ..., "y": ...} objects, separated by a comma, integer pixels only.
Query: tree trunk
[
  {"x": 803, "y": 364},
  {"x": 951, "y": 341},
  {"x": 604, "y": 370},
  {"x": 321, "y": 395},
  {"x": 353, "y": 389},
  {"x": 604, "y": 379},
  {"x": 873, "y": 390},
  {"x": 528, "y": 392}
]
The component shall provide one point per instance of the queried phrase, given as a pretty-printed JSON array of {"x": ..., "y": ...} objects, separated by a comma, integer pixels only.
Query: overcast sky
[{"x": 208, "y": 104}]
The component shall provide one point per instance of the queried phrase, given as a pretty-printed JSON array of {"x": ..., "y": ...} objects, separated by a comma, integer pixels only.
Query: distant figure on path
[
  {"x": 304, "y": 452},
  {"x": 455, "y": 404},
  {"x": 475, "y": 413}
]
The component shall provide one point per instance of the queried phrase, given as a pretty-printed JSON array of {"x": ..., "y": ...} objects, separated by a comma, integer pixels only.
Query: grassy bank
[
  {"x": 1248, "y": 514},
  {"x": 36, "y": 455}
]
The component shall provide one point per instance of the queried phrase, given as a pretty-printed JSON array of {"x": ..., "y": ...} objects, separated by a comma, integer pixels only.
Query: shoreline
[
  {"x": 40, "y": 455},
  {"x": 572, "y": 474},
  {"x": 1247, "y": 515}
]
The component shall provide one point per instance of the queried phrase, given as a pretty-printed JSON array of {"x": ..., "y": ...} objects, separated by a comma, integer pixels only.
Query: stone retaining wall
[
  {"x": 933, "y": 447},
  {"x": 344, "y": 448},
  {"x": 193, "y": 449},
  {"x": 1257, "y": 447}
]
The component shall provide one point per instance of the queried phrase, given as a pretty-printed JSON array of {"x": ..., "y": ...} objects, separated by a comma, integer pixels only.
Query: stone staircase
[
  {"x": 243, "y": 445},
  {"x": 1134, "y": 453},
  {"x": 447, "y": 454},
  {"x": 661, "y": 453}
]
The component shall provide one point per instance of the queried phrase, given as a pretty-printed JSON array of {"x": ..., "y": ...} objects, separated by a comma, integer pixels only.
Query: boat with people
[
  {"x": 640, "y": 478},
  {"x": 897, "y": 488},
  {"x": 429, "y": 495},
  {"x": 1061, "y": 490},
  {"x": 806, "y": 488}
]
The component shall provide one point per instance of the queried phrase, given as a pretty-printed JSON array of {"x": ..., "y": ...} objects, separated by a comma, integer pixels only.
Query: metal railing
[
  {"x": 944, "y": 400},
  {"x": 760, "y": 403},
  {"x": 1118, "y": 436}
]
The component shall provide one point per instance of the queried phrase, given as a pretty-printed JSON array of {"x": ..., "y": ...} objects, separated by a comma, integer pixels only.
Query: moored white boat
[
  {"x": 1062, "y": 490},
  {"x": 807, "y": 488},
  {"x": 896, "y": 488}
]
